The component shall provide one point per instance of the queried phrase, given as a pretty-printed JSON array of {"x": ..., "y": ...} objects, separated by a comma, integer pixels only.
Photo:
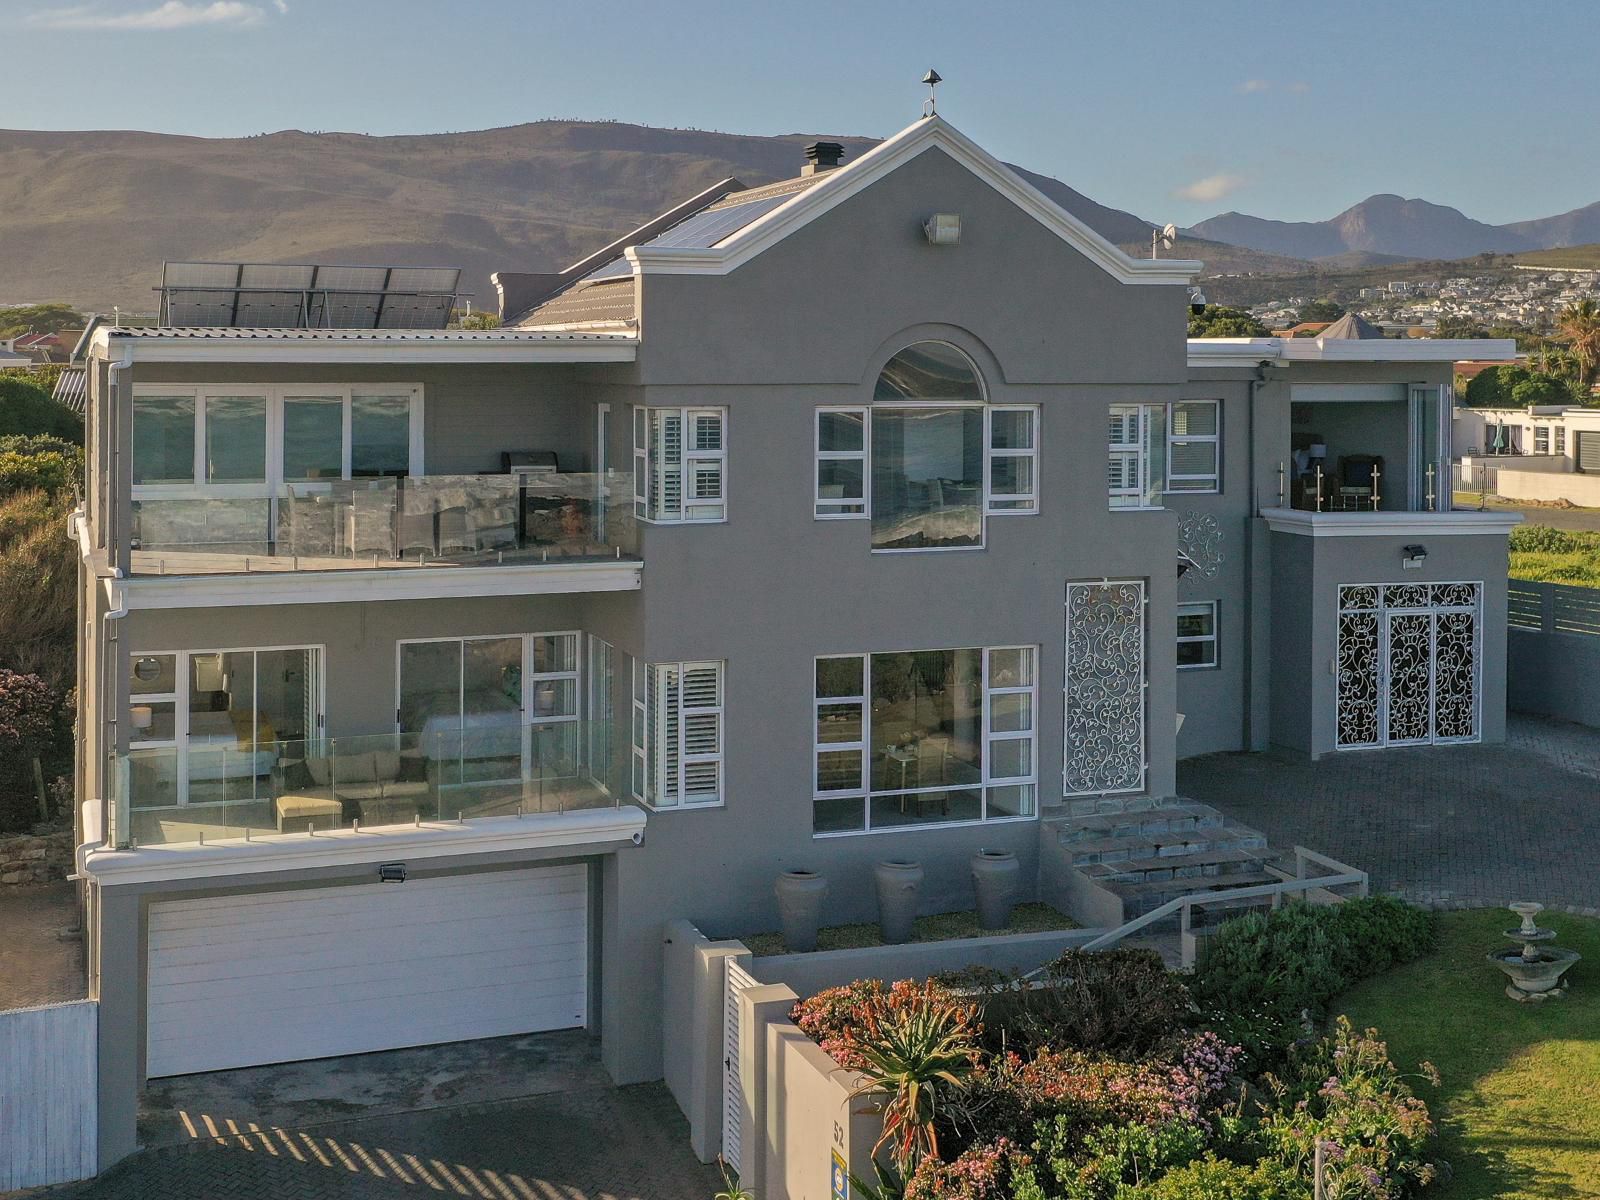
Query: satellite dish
[
  {"x": 1163, "y": 239},
  {"x": 1169, "y": 233}
]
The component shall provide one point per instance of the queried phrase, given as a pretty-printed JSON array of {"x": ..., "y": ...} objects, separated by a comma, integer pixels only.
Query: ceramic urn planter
[
  {"x": 899, "y": 886},
  {"x": 800, "y": 897},
  {"x": 995, "y": 875}
]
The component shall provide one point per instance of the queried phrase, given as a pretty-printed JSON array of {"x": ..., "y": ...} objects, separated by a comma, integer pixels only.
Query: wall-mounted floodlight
[
  {"x": 1412, "y": 557},
  {"x": 392, "y": 872},
  {"x": 943, "y": 229}
]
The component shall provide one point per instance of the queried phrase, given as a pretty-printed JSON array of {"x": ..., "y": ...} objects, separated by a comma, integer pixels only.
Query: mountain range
[
  {"x": 1404, "y": 229},
  {"x": 89, "y": 217}
]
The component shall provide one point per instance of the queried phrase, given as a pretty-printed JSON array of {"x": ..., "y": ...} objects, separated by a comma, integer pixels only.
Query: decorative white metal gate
[
  {"x": 1105, "y": 685},
  {"x": 1408, "y": 664},
  {"x": 735, "y": 980}
]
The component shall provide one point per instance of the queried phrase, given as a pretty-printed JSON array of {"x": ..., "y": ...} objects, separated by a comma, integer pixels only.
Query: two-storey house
[{"x": 874, "y": 514}]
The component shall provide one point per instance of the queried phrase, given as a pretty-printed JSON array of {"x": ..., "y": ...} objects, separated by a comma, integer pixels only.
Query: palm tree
[{"x": 1580, "y": 324}]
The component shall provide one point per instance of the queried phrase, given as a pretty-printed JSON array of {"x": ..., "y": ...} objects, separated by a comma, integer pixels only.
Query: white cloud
[
  {"x": 1300, "y": 87},
  {"x": 281, "y": 6},
  {"x": 172, "y": 14},
  {"x": 1255, "y": 85},
  {"x": 1212, "y": 187}
]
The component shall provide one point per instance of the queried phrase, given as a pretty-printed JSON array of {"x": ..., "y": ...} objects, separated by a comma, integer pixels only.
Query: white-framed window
[
  {"x": 1012, "y": 445},
  {"x": 842, "y": 462},
  {"x": 923, "y": 738},
  {"x": 1197, "y": 635},
  {"x": 210, "y": 726},
  {"x": 1541, "y": 439},
  {"x": 1561, "y": 439},
  {"x": 677, "y": 734},
  {"x": 680, "y": 464},
  {"x": 1193, "y": 446},
  {"x": 930, "y": 459},
  {"x": 1153, "y": 449}
]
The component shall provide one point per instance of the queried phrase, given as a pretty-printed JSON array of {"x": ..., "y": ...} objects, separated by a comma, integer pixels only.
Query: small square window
[{"x": 1197, "y": 635}]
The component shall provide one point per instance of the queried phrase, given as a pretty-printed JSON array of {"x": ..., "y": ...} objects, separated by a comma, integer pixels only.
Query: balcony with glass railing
[
  {"x": 387, "y": 522},
  {"x": 245, "y": 788}
]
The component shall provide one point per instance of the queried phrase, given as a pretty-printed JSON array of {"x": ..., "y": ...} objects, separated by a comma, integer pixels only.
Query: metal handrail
[{"x": 1343, "y": 875}]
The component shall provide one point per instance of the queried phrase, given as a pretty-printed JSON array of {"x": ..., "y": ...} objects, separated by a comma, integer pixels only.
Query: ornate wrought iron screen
[
  {"x": 1408, "y": 664},
  {"x": 1105, "y": 688}
]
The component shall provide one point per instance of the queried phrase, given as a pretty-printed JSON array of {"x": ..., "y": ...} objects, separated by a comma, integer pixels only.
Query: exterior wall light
[
  {"x": 943, "y": 229},
  {"x": 392, "y": 872},
  {"x": 1412, "y": 557}
]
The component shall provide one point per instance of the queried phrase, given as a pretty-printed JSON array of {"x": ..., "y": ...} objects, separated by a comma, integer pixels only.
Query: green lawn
[
  {"x": 1519, "y": 1104},
  {"x": 1025, "y": 918}
]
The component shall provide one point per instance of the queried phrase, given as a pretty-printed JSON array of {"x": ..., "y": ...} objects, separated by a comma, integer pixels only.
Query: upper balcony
[{"x": 404, "y": 522}]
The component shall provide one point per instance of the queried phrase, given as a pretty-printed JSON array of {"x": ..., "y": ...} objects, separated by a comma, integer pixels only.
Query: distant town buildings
[{"x": 1533, "y": 297}]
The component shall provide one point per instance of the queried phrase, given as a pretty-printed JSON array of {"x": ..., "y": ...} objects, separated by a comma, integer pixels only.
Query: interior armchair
[{"x": 1360, "y": 481}]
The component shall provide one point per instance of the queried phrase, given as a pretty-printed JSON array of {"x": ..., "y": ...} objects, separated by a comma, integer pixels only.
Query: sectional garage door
[{"x": 236, "y": 981}]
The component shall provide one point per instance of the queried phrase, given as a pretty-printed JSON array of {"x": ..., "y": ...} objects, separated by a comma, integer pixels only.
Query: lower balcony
[{"x": 245, "y": 788}]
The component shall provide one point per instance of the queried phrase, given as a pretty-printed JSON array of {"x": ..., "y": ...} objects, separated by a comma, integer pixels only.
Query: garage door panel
[
  {"x": 276, "y": 977},
  {"x": 196, "y": 946},
  {"x": 197, "y": 986}
]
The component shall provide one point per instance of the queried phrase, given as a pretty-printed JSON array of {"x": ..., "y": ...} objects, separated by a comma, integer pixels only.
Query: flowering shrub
[
  {"x": 1345, "y": 1093},
  {"x": 980, "y": 1173},
  {"x": 1211, "y": 1178},
  {"x": 832, "y": 1015}
]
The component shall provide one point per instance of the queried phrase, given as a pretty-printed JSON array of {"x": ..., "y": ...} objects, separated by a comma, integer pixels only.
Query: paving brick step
[
  {"x": 1173, "y": 819},
  {"x": 1162, "y": 845},
  {"x": 1207, "y": 864}
]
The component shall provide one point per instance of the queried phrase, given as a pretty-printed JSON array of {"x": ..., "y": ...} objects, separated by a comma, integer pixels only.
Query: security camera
[
  {"x": 1197, "y": 301},
  {"x": 638, "y": 837}
]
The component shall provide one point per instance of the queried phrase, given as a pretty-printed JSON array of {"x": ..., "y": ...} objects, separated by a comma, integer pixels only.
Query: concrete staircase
[{"x": 1106, "y": 861}]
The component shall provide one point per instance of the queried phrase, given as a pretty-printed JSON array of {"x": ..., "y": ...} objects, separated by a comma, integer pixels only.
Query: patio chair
[{"x": 369, "y": 522}]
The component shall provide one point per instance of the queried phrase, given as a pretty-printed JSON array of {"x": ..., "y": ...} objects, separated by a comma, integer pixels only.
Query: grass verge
[{"x": 1519, "y": 1104}]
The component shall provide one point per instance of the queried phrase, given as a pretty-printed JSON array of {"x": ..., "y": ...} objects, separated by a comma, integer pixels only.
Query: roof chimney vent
[{"x": 822, "y": 156}]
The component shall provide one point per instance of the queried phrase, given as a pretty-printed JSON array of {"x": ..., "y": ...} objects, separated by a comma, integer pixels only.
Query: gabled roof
[{"x": 723, "y": 235}]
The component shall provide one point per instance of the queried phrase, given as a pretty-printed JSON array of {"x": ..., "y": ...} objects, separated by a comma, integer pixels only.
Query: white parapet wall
[{"x": 1543, "y": 484}]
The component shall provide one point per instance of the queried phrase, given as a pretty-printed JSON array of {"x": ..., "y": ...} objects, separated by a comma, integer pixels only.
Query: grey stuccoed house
[{"x": 885, "y": 512}]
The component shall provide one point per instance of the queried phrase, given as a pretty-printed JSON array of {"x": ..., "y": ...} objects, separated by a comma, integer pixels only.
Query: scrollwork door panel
[{"x": 1104, "y": 748}]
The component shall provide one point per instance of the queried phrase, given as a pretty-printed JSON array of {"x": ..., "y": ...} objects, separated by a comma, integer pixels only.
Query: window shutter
[
  {"x": 702, "y": 732},
  {"x": 666, "y": 464}
]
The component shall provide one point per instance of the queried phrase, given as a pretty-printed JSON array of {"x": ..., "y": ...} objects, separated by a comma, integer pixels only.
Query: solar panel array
[
  {"x": 701, "y": 231},
  {"x": 307, "y": 296}
]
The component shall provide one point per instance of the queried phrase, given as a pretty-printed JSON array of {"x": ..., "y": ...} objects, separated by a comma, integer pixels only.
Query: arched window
[
  {"x": 929, "y": 371},
  {"x": 929, "y": 458}
]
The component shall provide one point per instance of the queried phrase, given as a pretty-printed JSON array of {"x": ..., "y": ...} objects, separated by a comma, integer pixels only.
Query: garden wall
[
  {"x": 692, "y": 1013},
  {"x": 48, "y": 1109},
  {"x": 1582, "y": 490},
  {"x": 1553, "y": 651},
  {"x": 27, "y": 858}
]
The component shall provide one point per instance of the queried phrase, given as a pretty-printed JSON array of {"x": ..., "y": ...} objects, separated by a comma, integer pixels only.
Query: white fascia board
[
  {"x": 350, "y": 847},
  {"x": 1398, "y": 350},
  {"x": 847, "y": 181},
  {"x": 1389, "y": 524},
  {"x": 622, "y": 348},
  {"x": 356, "y": 586},
  {"x": 1233, "y": 352}
]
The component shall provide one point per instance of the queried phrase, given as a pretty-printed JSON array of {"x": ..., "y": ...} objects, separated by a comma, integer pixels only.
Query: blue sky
[{"x": 1172, "y": 110}]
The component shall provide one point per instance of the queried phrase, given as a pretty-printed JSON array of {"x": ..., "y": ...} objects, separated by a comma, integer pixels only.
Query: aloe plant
[{"x": 915, "y": 1044}]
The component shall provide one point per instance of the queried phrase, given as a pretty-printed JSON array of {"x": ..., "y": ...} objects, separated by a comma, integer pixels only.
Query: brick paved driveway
[
  {"x": 601, "y": 1143},
  {"x": 1445, "y": 826}
]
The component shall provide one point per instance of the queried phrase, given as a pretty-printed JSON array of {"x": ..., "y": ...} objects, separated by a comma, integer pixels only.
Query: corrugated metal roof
[
  {"x": 215, "y": 333},
  {"x": 610, "y": 303},
  {"x": 72, "y": 389}
]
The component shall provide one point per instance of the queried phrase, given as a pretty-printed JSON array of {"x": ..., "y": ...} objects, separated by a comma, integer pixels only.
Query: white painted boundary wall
[
  {"x": 48, "y": 1114},
  {"x": 692, "y": 1013},
  {"x": 1582, "y": 490}
]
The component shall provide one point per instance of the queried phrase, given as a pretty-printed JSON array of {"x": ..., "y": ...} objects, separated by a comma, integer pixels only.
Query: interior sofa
[{"x": 326, "y": 791}]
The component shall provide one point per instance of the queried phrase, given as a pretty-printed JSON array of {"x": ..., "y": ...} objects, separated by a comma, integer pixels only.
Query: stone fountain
[{"x": 1535, "y": 971}]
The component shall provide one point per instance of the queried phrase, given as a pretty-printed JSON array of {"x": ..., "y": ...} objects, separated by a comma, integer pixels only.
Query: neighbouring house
[
  {"x": 428, "y": 673},
  {"x": 1541, "y": 452},
  {"x": 11, "y": 357}
]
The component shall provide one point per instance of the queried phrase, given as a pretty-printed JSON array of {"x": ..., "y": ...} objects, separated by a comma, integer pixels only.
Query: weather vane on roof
[{"x": 933, "y": 79}]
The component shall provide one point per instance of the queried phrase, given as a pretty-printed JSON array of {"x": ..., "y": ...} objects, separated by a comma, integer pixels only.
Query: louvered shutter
[
  {"x": 701, "y": 720},
  {"x": 666, "y": 464}
]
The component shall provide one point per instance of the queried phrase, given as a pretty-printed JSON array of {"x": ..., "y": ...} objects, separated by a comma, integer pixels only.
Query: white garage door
[{"x": 237, "y": 981}]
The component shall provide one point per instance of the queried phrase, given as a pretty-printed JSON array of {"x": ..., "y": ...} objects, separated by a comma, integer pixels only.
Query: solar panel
[
  {"x": 701, "y": 231},
  {"x": 306, "y": 295}
]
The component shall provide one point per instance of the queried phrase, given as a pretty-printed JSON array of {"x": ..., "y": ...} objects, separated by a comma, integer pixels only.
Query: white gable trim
[{"x": 878, "y": 162}]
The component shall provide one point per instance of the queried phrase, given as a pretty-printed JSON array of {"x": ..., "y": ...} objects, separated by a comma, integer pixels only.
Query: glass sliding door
[
  {"x": 248, "y": 711},
  {"x": 313, "y": 438},
  {"x": 461, "y": 702},
  {"x": 380, "y": 436}
]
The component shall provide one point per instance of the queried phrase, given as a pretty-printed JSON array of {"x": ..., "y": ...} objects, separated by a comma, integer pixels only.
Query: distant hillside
[
  {"x": 89, "y": 217},
  {"x": 1567, "y": 256},
  {"x": 1386, "y": 224}
]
